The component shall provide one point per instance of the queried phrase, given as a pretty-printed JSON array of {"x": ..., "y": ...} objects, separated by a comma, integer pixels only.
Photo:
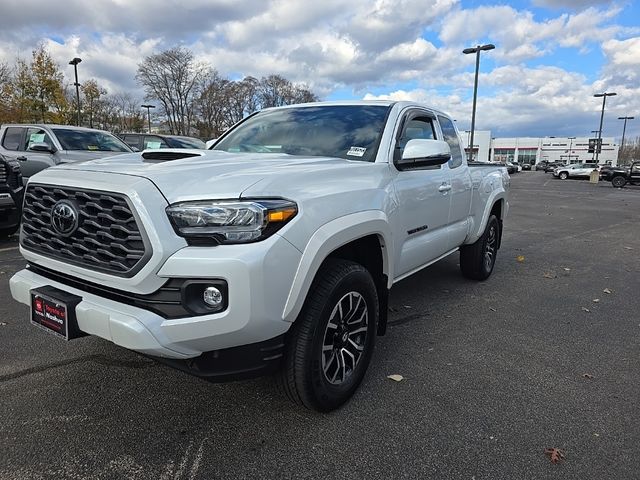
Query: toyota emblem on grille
[{"x": 64, "y": 217}]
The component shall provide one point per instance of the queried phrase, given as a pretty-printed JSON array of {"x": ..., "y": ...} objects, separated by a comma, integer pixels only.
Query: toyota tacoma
[{"x": 273, "y": 252}]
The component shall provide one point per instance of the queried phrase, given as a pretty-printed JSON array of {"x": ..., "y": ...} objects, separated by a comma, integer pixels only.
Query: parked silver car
[
  {"x": 37, "y": 147},
  {"x": 575, "y": 170}
]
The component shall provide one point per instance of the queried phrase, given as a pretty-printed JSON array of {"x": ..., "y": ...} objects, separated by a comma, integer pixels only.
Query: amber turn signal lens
[{"x": 281, "y": 215}]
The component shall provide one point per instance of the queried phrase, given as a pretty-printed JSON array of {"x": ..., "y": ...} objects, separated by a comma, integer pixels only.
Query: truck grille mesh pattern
[
  {"x": 107, "y": 238},
  {"x": 9, "y": 175}
]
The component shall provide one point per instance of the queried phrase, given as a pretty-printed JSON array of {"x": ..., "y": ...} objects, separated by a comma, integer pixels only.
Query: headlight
[{"x": 230, "y": 221}]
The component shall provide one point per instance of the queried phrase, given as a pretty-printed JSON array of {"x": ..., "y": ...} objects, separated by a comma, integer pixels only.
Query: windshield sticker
[
  {"x": 92, "y": 147},
  {"x": 153, "y": 145},
  {"x": 36, "y": 138},
  {"x": 356, "y": 151}
]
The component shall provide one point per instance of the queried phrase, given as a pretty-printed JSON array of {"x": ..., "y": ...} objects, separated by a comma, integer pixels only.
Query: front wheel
[
  {"x": 563, "y": 175},
  {"x": 478, "y": 259},
  {"x": 618, "y": 181},
  {"x": 329, "y": 346}
]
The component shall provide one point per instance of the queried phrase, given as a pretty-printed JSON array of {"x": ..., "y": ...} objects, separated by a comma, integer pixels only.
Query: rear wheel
[
  {"x": 563, "y": 175},
  {"x": 477, "y": 260},
  {"x": 618, "y": 181},
  {"x": 330, "y": 345}
]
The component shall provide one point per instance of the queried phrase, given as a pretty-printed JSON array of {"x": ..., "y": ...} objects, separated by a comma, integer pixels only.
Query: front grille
[
  {"x": 10, "y": 175},
  {"x": 107, "y": 238}
]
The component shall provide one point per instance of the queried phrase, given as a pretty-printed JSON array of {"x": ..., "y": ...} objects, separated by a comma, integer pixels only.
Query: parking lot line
[{"x": 8, "y": 249}]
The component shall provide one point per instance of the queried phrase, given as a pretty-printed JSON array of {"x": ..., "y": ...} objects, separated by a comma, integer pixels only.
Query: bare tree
[
  {"x": 174, "y": 78},
  {"x": 243, "y": 99},
  {"x": 213, "y": 105}
]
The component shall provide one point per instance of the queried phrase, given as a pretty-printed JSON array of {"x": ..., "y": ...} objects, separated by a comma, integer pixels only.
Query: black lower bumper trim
[{"x": 237, "y": 363}]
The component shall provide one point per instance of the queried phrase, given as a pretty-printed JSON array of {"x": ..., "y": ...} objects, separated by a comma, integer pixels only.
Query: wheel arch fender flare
[
  {"x": 478, "y": 228},
  {"x": 329, "y": 238}
]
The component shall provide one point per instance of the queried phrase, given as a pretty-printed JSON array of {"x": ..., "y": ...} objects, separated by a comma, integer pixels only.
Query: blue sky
[{"x": 550, "y": 56}]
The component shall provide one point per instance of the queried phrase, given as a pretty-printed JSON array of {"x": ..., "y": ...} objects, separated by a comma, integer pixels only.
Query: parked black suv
[{"x": 11, "y": 194}]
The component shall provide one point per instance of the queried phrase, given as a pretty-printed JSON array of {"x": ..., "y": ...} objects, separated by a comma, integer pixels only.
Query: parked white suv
[
  {"x": 275, "y": 251},
  {"x": 575, "y": 170}
]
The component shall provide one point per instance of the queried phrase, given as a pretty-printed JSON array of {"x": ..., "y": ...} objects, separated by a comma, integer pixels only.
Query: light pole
[
  {"x": 624, "y": 129},
  {"x": 571, "y": 139},
  {"x": 75, "y": 63},
  {"x": 148, "y": 107},
  {"x": 593, "y": 156},
  {"x": 467, "y": 51},
  {"x": 604, "y": 100}
]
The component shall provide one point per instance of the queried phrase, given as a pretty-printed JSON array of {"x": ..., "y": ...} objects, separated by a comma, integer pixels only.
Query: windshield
[
  {"x": 91, "y": 140},
  {"x": 185, "y": 142},
  {"x": 351, "y": 132}
]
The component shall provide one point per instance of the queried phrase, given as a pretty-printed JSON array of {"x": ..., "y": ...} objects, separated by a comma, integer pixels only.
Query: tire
[
  {"x": 563, "y": 175},
  {"x": 7, "y": 232},
  {"x": 477, "y": 260},
  {"x": 324, "y": 363},
  {"x": 618, "y": 181}
]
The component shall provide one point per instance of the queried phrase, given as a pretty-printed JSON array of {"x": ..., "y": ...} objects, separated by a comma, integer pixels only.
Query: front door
[
  {"x": 16, "y": 142},
  {"x": 424, "y": 201}
]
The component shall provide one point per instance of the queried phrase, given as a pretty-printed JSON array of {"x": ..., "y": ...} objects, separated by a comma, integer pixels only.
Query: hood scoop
[{"x": 166, "y": 155}]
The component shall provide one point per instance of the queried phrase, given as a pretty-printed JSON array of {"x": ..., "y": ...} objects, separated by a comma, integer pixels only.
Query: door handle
[
  {"x": 22, "y": 158},
  {"x": 444, "y": 188}
]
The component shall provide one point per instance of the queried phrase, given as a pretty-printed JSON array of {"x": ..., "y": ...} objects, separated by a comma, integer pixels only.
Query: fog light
[{"x": 212, "y": 297}]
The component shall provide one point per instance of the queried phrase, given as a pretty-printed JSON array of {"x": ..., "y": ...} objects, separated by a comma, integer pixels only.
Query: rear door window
[
  {"x": 451, "y": 137},
  {"x": 13, "y": 138}
]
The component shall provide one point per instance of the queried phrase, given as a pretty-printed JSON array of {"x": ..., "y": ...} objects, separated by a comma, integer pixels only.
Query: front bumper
[{"x": 256, "y": 274}]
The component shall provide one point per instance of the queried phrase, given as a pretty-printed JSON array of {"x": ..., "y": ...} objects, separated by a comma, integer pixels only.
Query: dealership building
[{"x": 533, "y": 150}]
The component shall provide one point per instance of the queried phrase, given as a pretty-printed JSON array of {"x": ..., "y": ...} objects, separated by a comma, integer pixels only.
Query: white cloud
[
  {"x": 539, "y": 101},
  {"x": 360, "y": 45}
]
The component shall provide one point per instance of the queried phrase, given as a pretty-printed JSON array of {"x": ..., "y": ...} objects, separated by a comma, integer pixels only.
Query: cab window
[{"x": 451, "y": 137}]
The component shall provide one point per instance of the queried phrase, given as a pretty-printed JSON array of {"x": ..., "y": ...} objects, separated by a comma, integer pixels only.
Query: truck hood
[{"x": 218, "y": 174}]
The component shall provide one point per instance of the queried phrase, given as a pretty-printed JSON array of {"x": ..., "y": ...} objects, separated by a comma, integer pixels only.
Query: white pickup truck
[{"x": 272, "y": 252}]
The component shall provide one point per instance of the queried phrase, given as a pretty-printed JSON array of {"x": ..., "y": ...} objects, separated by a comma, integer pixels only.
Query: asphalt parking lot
[{"x": 495, "y": 372}]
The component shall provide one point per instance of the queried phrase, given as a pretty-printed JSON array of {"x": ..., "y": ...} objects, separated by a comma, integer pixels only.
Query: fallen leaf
[
  {"x": 395, "y": 377},
  {"x": 606, "y": 290},
  {"x": 596, "y": 300},
  {"x": 549, "y": 275},
  {"x": 629, "y": 248},
  {"x": 596, "y": 434},
  {"x": 587, "y": 375},
  {"x": 492, "y": 309},
  {"x": 585, "y": 309},
  {"x": 555, "y": 454},
  {"x": 566, "y": 269},
  {"x": 407, "y": 306},
  {"x": 3, "y": 324},
  {"x": 520, "y": 258}
]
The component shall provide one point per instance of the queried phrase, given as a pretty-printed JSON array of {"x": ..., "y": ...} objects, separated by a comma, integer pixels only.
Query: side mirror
[
  {"x": 42, "y": 147},
  {"x": 419, "y": 153}
]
